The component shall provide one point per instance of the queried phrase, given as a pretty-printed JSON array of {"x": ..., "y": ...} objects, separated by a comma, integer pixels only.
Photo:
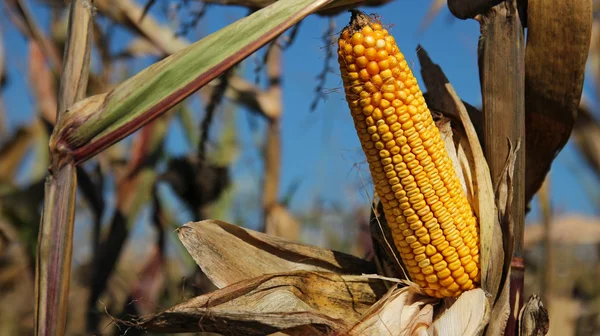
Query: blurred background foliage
[{"x": 268, "y": 146}]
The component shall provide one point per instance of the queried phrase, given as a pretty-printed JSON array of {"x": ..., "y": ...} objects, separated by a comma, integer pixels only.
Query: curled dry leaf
[
  {"x": 299, "y": 303},
  {"x": 464, "y": 317},
  {"x": 558, "y": 41},
  {"x": 504, "y": 193},
  {"x": 401, "y": 312},
  {"x": 533, "y": 318},
  {"x": 490, "y": 233},
  {"x": 227, "y": 254},
  {"x": 448, "y": 137}
]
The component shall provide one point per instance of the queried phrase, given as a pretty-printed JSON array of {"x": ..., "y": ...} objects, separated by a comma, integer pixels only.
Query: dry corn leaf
[
  {"x": 490, "y": 233},
  {"x": 401, "y": 312},
  {"x": 465, "y": 161},
  {"x": 438, "y": 98},
  {"x": 533, "y": 318},
  {"x": 558, "y": 41},
  {"x": 500, "y": 311},
  {"x": 566, "y": 230},
  {"x": 449, "y": 142},
  {"x": 504, "y": 194},
  {"x": 300, "y": 303},
  {"x": 211, "y": 243},
  {"x": 464, "y": 317}
]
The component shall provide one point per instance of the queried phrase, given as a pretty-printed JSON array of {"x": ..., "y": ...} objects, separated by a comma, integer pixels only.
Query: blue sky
[{"x": 320, "y": 148}]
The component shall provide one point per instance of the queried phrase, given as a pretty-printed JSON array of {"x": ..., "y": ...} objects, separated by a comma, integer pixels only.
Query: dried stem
[
  {"x": 55, "y": 241},
  {"x": 502, "y": 72}
]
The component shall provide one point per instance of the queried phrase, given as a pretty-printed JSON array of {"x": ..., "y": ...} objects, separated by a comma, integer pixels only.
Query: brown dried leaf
[
  {"x": 438, "y": 98},
  {"x": 490, "y": 233},
  {"x": 533, "y": 318},
  {"x": 558, "y": 41},
  {"x": 466, "y": 316},
  {"x": 501, "y": 311},
  {"x": 306, "y": 303},
  {"x": 402, "y": 311},
  {"x": 504, "y": 194},
  {"x": 448, "y": 136},
  {"x": 211, "y": 242}
]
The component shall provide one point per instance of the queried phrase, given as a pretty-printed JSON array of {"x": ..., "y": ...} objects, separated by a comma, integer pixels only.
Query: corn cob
[{"x": 432, "y": 224}]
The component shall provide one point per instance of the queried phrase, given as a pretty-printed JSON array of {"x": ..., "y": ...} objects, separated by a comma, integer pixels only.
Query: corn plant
[{"x": 448, "y": 216}]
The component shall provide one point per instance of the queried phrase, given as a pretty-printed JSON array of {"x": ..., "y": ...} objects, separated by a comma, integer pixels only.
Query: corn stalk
[
  {"x": 86, "y": 127},
  {"x": 55, "y": 242}
]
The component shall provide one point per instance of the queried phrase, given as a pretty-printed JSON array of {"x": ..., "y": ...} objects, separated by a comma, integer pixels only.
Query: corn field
[{"x": 300, "y": 167}]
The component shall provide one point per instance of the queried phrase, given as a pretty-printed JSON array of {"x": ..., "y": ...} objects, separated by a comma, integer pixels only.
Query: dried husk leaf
[
  {"x": 558, "y": 41},
  {"x": 438, "y": 99},
  {"x": 299, "y": 303},
  {"x": 504, "y": 194},
  {"x": 448, "y": 136},
  {"x": 500, "y": 311},
  {"x": 227, "y": 254},
  {"x": 533, "y": 318},
  {"x": 401, "y": 312},
  {"x": 464, "y": 317}
]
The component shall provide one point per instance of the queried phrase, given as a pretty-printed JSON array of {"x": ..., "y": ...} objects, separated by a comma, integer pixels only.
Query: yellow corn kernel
[{"x": 432, "y": 223}]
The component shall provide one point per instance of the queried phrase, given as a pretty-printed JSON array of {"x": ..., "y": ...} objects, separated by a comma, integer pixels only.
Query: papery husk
[
  {"x": 464, "y": 317},
  {"x": 228, "y": 254},
  {"x": 533, "y": 318},
  {"x": 402, "y": 311},
  {"x": 298, "y": 303},
  {"x": 504, "y": 193}
]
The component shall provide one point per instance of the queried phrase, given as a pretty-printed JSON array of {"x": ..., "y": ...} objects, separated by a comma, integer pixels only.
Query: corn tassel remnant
[{"x": 431, "y": 221}]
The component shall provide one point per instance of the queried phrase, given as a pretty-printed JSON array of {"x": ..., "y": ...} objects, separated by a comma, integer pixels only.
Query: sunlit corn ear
[{"x": 431, "y": 221}]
